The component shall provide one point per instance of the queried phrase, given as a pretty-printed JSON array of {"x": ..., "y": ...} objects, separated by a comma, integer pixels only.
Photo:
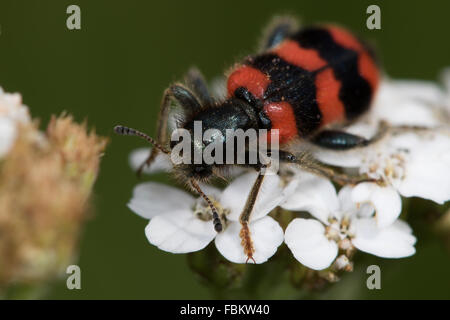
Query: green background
[{"x": 115, "y": 69}]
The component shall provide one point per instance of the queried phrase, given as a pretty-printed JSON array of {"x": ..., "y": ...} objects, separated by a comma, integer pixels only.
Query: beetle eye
[
  {"x": 202, "y": 171},
  {"x": 199, "y": 169}
]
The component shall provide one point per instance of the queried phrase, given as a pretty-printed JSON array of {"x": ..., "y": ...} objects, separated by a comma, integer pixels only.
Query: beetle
[{"x": 305, "y": 82}]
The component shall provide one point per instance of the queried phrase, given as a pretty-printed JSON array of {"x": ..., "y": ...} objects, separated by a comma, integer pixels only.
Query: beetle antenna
[
  {"x": 216, "y": 220},
  {"x": 125, "y": 131}
]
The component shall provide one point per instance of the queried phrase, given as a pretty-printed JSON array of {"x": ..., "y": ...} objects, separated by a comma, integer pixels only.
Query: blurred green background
[{"x": 115, "y": 69}]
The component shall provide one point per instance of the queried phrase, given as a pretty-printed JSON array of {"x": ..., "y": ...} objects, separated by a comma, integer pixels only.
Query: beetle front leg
[
  {"x": 314, "y": 167},
  {"x": 341, "y": 140},
  {"x": 278, "y": 30},
  {"x": 187, "y": 101},
  {"x": 244, "y": 219}
]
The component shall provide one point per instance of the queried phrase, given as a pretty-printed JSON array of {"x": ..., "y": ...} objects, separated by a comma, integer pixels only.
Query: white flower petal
[
  {"x": 161, "y": 163},
  {"x": 386, "y": 200},
  {"x": 420, "y": 90},
  {"x": 266, "y": 235},
  {"x": 309, "y": 245},
  {"x": 427, "y": 173},
  {"x": 427, "y": 180},
  {"x": 235, "y": 196},
  {"x": 362, "y": 129},
  {"x": 8, "y": 133},
  {"x": 179, "y": 232},
  {"x": 351, "y": 208},
  {"x": 394, "y": 241},
  {"x": 418, "y": 115},
  {"x": 151, "y": 199},
  {"x": 345, "y": 200},
  {"x": 417, "y": 99},
  {"x": 313, "y": 194},
  {"x": 347, "y": 159},
  {"x": 11, "y": 107}
]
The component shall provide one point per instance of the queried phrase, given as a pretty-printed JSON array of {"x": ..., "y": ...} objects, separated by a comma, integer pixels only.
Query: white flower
[
  {"x": 180, "y": 223},
  {"x": 409, "y": 162},
  {"x": 341, "y": 225},
  {"x": 405, "y": 163},
  {"x": 12, "y": 112},
  {"x": 409, "y": 102}
]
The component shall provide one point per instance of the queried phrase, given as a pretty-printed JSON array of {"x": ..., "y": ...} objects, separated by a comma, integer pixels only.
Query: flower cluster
[
  {"x": 46, "y": 180},
  {"x": 411, "y": 158}
]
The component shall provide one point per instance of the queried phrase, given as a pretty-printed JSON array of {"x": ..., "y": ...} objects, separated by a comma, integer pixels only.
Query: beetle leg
[
  {"x": 278, "y": 30},
  {"x": 196, "y": 82},
  {"x": 340, "y": 140},
  {"x": 188, "y": 102},
  {"x": 244, "y": 218},
  {"x": 313, "y": 166}
]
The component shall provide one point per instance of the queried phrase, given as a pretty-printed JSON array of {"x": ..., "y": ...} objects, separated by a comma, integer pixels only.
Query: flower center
[
  {"x": 341, "y": 233},
  {"x": 338, "y": 230},
  {"x": 388, "y": 166}
]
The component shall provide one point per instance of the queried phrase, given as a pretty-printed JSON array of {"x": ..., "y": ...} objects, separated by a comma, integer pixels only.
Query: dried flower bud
[{"x": 45, "y": 184}]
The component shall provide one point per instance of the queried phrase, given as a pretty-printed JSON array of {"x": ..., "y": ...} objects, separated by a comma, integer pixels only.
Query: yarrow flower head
[
  {"x": 180, "y": 223},
  {"x": 340, "y": 225},
  {"x": 412, "y": 159},
  {"x": 409, "y": 156}
]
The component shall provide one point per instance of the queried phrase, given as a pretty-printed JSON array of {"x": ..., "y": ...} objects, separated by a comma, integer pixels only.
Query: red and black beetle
[{"x": 304, "y": 82}]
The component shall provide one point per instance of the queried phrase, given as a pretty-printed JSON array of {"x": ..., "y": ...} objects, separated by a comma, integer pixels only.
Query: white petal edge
[
  {"x": 385, "y": 199},
  {"x": 266, "y": 235},
  {"x": 417, "y": 99},
  {"x": 179, "y": 232},
  {"x": 151, "y": 199},
  {"x": 427, "y": 180},
  {"x": 345, "y": 159},
  {"x": 427, "y": 173},
  {"x": 351, "y": 208},
  {"x": 307, "y": 241},
  {"x": 313, "y": 194},
  {"x": 235, "y": 196},
  {"x": 8, "y": 132},
  {"x": 394, "y": 241}
]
